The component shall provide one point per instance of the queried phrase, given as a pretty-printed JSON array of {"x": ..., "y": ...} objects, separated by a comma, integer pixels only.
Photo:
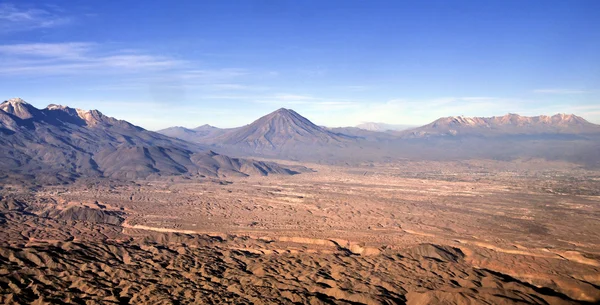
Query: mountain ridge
[
  {"x": 60, "y": 144},
  {"x": 507, "y": 137},
  {"x": 508, "y": 124}
]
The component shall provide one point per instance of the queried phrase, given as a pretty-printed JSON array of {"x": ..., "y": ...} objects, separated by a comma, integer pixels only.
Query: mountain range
[
  {"x": 282, "y": 133},
  {"x": 192, "y": 135},
  {"x": 287, "y": 135},
  {"x": 510, "y": 124},
  {"x": 59, "y": 144}
]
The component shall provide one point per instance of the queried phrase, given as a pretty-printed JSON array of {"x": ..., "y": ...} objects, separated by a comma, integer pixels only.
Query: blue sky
[{"x": 339, "y": 63}]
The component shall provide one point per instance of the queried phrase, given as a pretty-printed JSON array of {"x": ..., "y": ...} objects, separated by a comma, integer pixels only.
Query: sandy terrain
[{"x": 416, "y": 233}]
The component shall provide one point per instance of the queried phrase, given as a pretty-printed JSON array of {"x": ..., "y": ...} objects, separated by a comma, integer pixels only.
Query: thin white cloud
[
  {"x": 586, "y": 107},
  {"x": 313, "y": 72},
  {"x": 354, "y": 88},
  {"x": 292, "y": 97},
  {"x": 75, "y": 58},
  {"x": 232, "y": 87},
  {"x": 477, "y": 98},
  {"x": 590, "y": 112},
  {"x": 133, "y": 61},
  {"x": 135, "y": 70},
  {"x": 419, "y": 112},
  {"x": 201, "y": 88},
  {"x": 15, "y": 18},
  {"x": 213, "y": 74},
  {"x": 48, "y": 50},
  {"x": 306, "y": 103},
  {"x": 559, "y": 91}
]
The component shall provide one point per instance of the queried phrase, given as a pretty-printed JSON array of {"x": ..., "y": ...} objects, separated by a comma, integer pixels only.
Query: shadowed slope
[{"x": 59, "y": 143}]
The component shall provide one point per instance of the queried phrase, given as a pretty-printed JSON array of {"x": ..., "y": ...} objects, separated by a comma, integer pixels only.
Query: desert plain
[{"x": 405, "y": 232}]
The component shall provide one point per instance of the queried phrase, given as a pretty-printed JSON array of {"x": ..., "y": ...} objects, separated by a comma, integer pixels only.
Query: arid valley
[
  {"x": 300, "y": 152},
  {"x": 471, "y": 232}
]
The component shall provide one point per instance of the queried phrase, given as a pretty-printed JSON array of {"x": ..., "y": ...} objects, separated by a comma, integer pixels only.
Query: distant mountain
[
  {"x": 279, "y": 129},
  {"x": 206, "y": 129},
  {"x": 364, "y": 134},
  {"x": 282, "y": 133},
  {"x": 59, "y": 144},
  {"x": 177, "y": 132},
  {"x": 373, "y": 126},
  {"x": 558, "y": 137},
  {"x": 510, "y": 124},
  {"x": 193, "y": 135}
]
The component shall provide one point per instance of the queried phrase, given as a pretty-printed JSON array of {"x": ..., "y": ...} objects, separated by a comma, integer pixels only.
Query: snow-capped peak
[
  {"x": 16, "y": 101},
  {"x": 19, "y": 108}
]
